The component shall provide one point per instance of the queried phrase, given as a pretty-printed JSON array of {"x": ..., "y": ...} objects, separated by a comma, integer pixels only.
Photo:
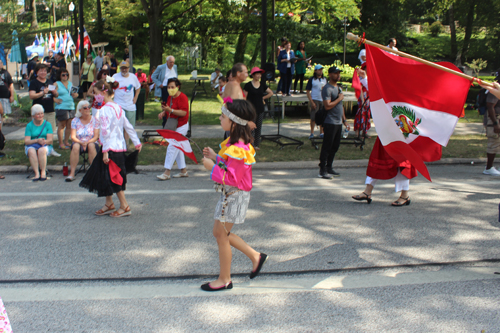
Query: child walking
[{"x": 232, "y": 172}]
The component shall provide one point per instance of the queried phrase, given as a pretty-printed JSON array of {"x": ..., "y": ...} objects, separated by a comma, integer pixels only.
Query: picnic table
[
  {"x": 349, "y": 97},
  {"x": 199, "y": 81}
]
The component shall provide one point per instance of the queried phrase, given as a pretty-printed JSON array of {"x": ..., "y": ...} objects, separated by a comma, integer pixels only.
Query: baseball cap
[
  {"x": 318, "y": 67},
  {"x": 124, "y": 64},
  {"x": 333, "y": 69}
]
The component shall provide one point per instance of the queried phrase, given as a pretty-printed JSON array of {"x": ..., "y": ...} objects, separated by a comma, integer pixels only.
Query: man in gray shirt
[
  {"x": 332, "y": 102},
  {"x": 98, "y": 61}
]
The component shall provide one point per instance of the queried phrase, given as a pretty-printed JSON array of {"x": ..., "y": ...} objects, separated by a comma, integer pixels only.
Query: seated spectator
[
  {"x": 37, "y": 140},
  {"x": 222, "y": 84},
  {"x": 214, "y": 79},
  {"x": 84, "y": 134}
]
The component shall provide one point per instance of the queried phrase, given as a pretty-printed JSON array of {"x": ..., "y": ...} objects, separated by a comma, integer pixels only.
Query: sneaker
[
  {"x": 311, "y": 136},
  {"x": 333, "y": 172},
  {"x": 54, "y": 153},
  {"x": 157, "y": 100},
  {"x": 324, "y": 174},
  {"x": 321, "y": 136},
  {"x": 491, "y": 171}
]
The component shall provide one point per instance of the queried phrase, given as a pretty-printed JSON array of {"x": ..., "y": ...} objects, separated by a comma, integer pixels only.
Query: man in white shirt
[
  {"x": 124, "y": 95},
  {"x": 214, "y": 78},
  {"x": 162, "y": 74},
  {"x": 392, "y": 44},
  {"x": 98, "y": 61}
]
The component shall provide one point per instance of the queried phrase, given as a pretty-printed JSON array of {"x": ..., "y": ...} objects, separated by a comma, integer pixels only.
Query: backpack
[{"x": 481, "y": 98}]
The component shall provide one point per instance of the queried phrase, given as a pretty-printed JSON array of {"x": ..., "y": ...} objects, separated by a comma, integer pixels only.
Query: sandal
[
  {"x": 126, "y": 212},
  {"x": 64, "y": 147},
  {"x": 111, "y": 209},
  {"x": 368, "y": 198},
  {"x": 2, "y": 177},
  {"x": 406, "y": 202}
]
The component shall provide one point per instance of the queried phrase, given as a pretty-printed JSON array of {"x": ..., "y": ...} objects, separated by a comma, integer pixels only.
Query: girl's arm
[{"x": 127, "y": 126}]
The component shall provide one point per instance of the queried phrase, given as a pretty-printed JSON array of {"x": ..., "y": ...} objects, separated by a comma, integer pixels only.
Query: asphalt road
[{"x": 319, "y": 240}]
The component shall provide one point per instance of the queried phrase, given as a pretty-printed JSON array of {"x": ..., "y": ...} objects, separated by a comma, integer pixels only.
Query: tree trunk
[
  {"x": 34, "y": 22},
  {"x": 239, "y": 54},
  {"x": 220, "y": 55},
  {"x": 54, "y": 14},
  {"x": 155, "y": 38},
  {"x": 468, "y": 30},
  {"x": 453, "y": 31},
  {"x": 205, "y": 42},
  {"x": 256, "y": 52},
  {"x": 100, "y": 27}
]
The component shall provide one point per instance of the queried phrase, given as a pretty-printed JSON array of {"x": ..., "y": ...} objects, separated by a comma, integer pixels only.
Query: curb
[{"x": 263, "y": 165}]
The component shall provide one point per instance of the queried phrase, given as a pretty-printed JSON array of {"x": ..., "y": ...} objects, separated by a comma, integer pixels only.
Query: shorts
[
  {"x": 63, "y": 115},
  {"x": 493, "y": 145},
  {"x": 7, "y": 109},
  {"x": 237, "y": 205},
  {"x": 312, "y": 111},
  {"x": 85, "y": 86},
  {"x": 51, "y": 118},
  {"x": 81, "y": 147},
  {"x": 130, "y": 116},
  {"x": 49, "y": 149}
]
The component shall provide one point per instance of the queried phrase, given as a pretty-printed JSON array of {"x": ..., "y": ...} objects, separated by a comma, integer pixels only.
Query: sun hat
[
  {"x": 33, "y": 55},
  {"x": 256, "y": 70}
]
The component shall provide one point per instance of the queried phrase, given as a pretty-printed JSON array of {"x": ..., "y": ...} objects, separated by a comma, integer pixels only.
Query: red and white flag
[
  {"x": 415, "y": 107},
  {"x": 178, "y": 141}
]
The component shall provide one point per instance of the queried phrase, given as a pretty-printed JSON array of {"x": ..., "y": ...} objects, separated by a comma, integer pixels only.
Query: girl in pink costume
[{"x": 232, "y": 172}]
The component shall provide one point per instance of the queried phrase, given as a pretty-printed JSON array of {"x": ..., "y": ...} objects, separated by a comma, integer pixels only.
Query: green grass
[{"x": 469, "y": 146}]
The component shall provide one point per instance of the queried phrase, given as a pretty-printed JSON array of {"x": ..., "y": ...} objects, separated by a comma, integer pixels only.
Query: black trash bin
[{"x": 140, "y": 105}]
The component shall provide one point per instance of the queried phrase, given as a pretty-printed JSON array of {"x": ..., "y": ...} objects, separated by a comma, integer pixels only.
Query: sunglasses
[
  {"x": 65, "y": 74},
  {"x": 85, "y": 107}
]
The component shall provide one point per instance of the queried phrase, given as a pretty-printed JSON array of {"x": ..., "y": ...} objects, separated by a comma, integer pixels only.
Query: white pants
[
  {"x": 175, "y": 154},
  {"x": 402, "y": 183}
]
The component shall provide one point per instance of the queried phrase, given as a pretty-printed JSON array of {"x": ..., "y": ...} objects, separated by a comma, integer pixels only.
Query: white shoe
[
  {"x": 181, "y": 175},
  {"x": 491, "y": 171},
  {"x": 54, "y": 153},
  {"x": 163, "y": 177}
]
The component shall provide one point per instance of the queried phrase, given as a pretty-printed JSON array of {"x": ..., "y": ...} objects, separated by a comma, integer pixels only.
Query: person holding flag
[
  {"x": 176, "y": 109},
  {"x": 413, "y": 119}
]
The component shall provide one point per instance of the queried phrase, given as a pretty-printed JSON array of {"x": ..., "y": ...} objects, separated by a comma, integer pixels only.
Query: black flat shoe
[
  {"x": 207, "y": 287},
  {"x": 262, "y": 260},
  {"x": 406, "y": 202},
  {"x": 368, "y": 198}
]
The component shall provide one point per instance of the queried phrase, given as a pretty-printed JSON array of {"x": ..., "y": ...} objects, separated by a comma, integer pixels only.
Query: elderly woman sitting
[
  {"x": 84, "y": 134},
  {"x": 37, "y": 139}
]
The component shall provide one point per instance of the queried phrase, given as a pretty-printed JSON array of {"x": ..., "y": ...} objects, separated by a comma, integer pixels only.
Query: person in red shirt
[
  {"x": 143, "y": 80},
  {"x": 175, "y": 108}
]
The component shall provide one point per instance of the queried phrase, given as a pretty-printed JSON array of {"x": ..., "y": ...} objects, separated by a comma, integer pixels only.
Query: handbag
[
  {"x": 171, "y": 122},
  {"x": 86, "y": 76},
  {"x": 320, "y": 116}
]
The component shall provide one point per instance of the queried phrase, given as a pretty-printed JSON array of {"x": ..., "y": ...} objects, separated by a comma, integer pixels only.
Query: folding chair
[{"x": 85, "y": 163}]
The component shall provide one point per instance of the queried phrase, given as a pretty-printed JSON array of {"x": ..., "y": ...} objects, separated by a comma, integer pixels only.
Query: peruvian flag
[
  {"x": 51, "y": 42},
  {"x": 178, "y": 141},
  {"x": 415, "y": 107}
]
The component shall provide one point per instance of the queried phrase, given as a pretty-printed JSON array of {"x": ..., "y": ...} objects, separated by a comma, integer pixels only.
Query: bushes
[{"x": 436, "y": 28}]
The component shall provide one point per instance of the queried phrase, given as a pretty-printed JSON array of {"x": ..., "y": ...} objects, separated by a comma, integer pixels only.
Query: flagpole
[{"x": 356, "y": 38}]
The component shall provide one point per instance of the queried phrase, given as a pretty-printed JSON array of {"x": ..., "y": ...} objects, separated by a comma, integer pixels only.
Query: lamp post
[
  {"x": 345, "y": 34},
  {"x": 48, "y": 13},
  {"x": 71, "y": 8}
]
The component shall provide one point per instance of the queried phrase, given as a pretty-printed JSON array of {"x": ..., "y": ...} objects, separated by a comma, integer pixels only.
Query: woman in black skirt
[{"x": 107, "y": 174}]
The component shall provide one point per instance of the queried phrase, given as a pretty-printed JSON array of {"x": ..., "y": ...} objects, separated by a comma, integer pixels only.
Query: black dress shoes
[{"x": 207, "y": 287}]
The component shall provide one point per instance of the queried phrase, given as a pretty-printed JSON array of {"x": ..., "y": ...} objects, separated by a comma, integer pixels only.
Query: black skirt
[{"x": 97, "y": 178}]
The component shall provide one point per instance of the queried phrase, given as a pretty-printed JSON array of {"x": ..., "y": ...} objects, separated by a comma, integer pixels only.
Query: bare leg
[
  {"x": 313, "y": 124},
  {"x": 67, "y": 133},
  {"x": 42, "y": 161},
  {"x": 184, "y": 170},
  {"x": 123, "y": 202},
  {"x": 91, "y": 152},
  {"x": 34, "y": 161},
  {"x": 225, "y": 254},
  {"x": 367, "y": 192},
  {"x": 321, "y": 131},
  {"x": 109, "y": 203},
  {"x": 241, "y": 245},
  {"x": 491, "y": 159},
  {"x": 60, "y": 130},
  {"x": 73, "y": 159},
  {"x": 167, "y": 172},
  {"x": 404, "y": 195}
]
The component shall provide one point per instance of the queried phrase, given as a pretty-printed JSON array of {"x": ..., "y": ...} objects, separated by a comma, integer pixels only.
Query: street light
[
  {"x": 71, "y": 9},
  {"x": 345, "y": 33},
  {"x": 48, "y": 13}
]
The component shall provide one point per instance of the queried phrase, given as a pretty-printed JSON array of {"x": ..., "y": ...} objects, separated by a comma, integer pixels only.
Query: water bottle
[
  {"x": 346, "y": 133},
  {"x": 65, "y": 169}
]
